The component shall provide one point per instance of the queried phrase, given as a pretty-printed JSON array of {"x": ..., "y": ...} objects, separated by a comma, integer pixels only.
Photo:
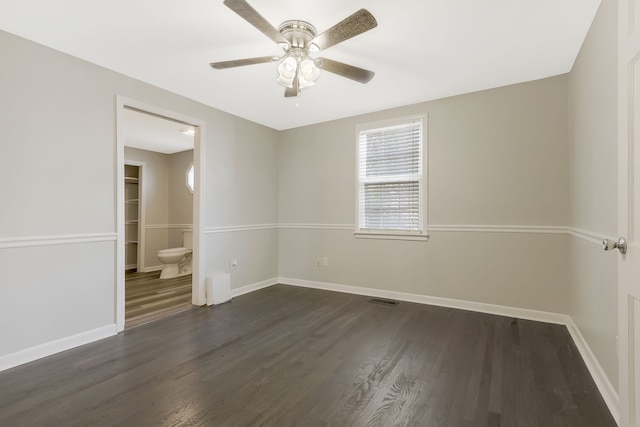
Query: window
[
  {"x": 391, "y": 171},
  {"x": 190, "y": 177}
]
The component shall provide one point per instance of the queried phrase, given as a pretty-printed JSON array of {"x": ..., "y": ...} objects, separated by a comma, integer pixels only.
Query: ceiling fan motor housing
[{"x": 297, "y": 33}]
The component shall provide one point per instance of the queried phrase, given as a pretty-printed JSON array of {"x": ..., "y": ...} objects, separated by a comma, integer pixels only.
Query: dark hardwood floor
[
  {"x": 147, "y": 297},
  {"x": 286, "y": 356}
]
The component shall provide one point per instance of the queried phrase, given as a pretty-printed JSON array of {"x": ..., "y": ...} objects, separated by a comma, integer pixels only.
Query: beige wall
[
  {"x": 242, "y": 191},
  {"x": 593, "y": 145},
  {"x": 180, "y": 198},
  {"x": 58, "y": 177},
  {"x": 496, "y": 158}
]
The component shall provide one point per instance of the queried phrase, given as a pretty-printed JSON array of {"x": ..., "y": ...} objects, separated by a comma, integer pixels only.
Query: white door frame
[
  {"x": 629, "y": 212},
  {"x": 198, "y": 289}
]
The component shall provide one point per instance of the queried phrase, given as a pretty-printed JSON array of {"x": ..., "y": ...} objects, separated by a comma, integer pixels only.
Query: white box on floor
[{"x": 218, "y": 289}]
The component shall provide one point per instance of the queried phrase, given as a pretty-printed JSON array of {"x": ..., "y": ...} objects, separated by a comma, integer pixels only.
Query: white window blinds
[{"x": 390, "y": 177}]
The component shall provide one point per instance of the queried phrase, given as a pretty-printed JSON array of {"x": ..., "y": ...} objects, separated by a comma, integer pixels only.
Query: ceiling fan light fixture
[
  {"x": 303, "y": 83},
  {"x": 288, "y": 66},
  {"x": 285, "y": 82},
  {"x": 309, "y": 70},
  {"x": 287, "y": 71},
  {"x": 308, "y": 74}
]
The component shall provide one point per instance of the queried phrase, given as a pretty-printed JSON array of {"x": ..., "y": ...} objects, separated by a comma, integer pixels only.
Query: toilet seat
[
  {"x": 173, "y": 251},
  {"x": 176, "y": 262}
]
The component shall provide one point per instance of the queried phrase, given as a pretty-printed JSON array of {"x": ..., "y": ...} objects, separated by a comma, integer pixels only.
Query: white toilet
[{"x": 177, "y": 261}]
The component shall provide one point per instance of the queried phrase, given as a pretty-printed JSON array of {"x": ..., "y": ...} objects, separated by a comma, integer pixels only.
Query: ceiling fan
[{"x": 298, "y": 39}]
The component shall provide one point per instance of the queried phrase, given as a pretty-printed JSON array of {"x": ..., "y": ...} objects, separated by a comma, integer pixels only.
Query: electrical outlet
[
  {"x": 325, "y": 261},
  {"x": 318, "y": 261},
  {"x": 233, "y": 264}
]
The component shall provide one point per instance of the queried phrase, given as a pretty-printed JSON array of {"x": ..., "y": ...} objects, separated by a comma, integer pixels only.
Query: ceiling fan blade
[
  {"x": 294, "y": 90},
  {"x": 349, "y": 27},
  {"x": 249, "y": 14},
  {"x": 242, "y": 62},
  {"x": 290, "y": 92},
  {"x": 345, "y": 70}
]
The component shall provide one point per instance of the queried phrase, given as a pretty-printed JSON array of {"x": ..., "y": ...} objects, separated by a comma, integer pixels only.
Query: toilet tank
[{"x": 187, "y": 238}]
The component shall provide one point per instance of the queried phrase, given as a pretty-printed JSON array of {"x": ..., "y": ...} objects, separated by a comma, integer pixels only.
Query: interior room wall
[
  {"x": 497, "y": 170},
  {"x": 180, "y": 198},
  {"x": 243, "y": 186},
  {"x": 593, "y": 208},
  {"x": 156, "y": 201},
  {"x": 58, "y": 177}
]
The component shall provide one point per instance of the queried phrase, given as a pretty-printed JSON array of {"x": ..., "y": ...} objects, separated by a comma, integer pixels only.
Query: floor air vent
[{"x": 383, "y": 301}]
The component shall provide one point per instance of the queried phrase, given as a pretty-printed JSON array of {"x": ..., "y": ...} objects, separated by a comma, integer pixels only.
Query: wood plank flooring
[
  {"x": 286, "y": 356},
  {"x": 147, "y": 297}
]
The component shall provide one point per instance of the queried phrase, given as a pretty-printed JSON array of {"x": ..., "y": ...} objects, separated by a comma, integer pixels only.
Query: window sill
[{"x": 391, "y": 236}]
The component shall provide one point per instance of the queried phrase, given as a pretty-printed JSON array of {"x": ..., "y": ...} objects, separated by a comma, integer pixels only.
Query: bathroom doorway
[
  {"x": 158, "y": 155},
  {"x": 158, "y": 213}
]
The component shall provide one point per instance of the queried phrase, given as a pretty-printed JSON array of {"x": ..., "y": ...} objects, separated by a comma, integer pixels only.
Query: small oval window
[{"x": 191, "y": 177}]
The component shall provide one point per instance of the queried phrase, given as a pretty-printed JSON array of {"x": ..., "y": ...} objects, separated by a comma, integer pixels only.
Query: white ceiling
[
  {"x": 421, "y": 49},
  {"x": 153, "y": 133}
]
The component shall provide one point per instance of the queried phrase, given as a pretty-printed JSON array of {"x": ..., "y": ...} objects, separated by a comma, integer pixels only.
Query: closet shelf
[{"x": 133, "y": 202}]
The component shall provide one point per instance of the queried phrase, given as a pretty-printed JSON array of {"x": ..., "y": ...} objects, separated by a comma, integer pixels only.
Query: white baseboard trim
[
  {"x": 608, "y": 392},
  {"x": 253, "y": 287},
  {"x": 501, "y": 310},
  {"x": 152, "y": 268},
  {"x": 605, "y": 387},
  {"x": 47, "y": 349}
]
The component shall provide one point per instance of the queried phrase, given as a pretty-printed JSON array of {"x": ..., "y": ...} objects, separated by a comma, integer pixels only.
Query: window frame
[
  {"x": 395, "y": 234},
  {"x": 191, "y": 168}
]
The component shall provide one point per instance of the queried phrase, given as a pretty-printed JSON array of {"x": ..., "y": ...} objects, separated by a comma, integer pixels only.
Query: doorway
[
  {"x": 157, "y": 209},
  {"x": 158, "y": 216}
]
